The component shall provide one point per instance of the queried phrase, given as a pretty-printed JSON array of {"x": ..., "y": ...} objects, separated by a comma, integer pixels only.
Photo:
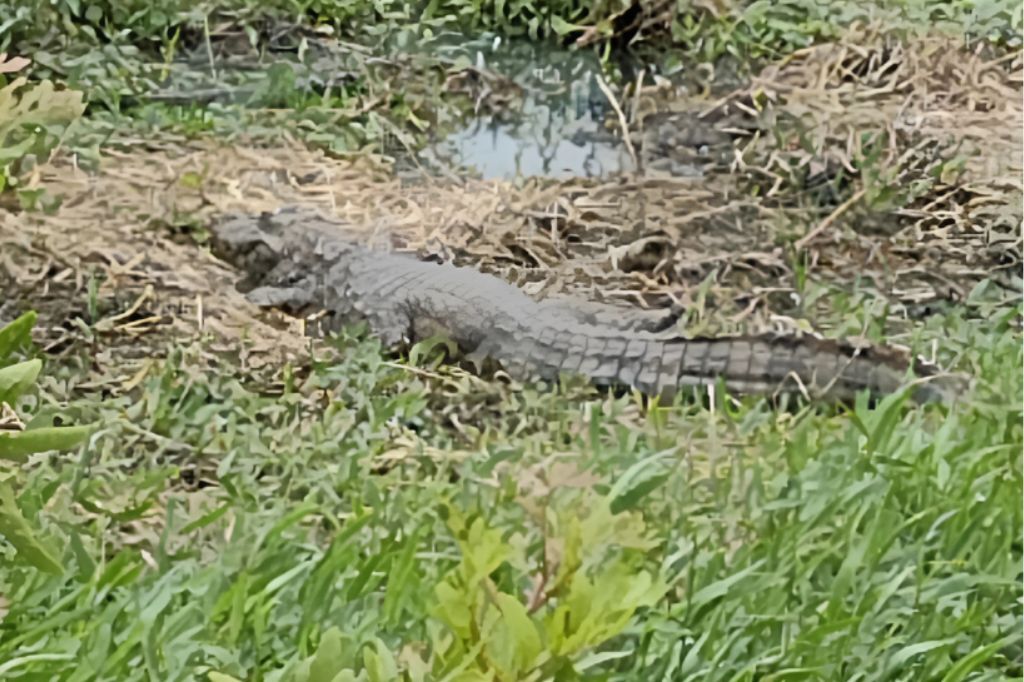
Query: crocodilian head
[{"x": 249, "y": 242}]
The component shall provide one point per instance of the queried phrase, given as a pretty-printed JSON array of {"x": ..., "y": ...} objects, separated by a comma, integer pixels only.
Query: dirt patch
[{"x": 640, "y": 240}]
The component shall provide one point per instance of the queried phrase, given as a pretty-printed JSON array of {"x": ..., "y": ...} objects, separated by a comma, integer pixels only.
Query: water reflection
[
  {"x": 545, "y": 142},
  {"x": 558, "y": 132}
]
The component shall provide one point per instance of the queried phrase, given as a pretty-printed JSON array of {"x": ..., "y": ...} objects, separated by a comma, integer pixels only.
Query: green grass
[
  {"x": 386, "y": 519},
  {"x": 213, "y": 526},
  {"x": 121, "y": 52}
]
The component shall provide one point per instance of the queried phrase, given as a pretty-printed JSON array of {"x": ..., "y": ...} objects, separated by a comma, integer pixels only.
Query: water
[
  {"x": 546, "y": 142},
  {"x": 556, "y": 126},
  {"x": 559, "y": 131}
]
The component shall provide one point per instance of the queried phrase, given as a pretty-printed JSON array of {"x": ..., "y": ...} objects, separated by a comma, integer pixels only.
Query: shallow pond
[{"x": 557, "y": 129}]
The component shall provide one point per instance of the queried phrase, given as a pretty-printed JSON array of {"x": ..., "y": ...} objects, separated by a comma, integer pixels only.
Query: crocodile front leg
[{"x": 292, "y": 300}]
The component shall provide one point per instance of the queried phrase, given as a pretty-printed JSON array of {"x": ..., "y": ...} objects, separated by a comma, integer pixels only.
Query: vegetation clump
[{"x": 191, "y": 490}]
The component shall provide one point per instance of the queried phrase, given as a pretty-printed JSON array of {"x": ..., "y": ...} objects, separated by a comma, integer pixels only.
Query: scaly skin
[{"x": 303, "y": 262}]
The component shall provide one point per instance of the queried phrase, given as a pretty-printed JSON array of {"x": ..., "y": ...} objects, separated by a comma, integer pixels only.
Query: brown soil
[{"x": 637, "y": 240}]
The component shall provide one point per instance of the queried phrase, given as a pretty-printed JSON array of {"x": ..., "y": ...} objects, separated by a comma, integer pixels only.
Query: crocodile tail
[
  {"x": 819, "y": 368},
  {"x": 754, "y": 364}
]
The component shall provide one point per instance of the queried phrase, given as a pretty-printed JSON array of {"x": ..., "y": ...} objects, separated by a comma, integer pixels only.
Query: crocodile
[{"x": 304, "y": 262}]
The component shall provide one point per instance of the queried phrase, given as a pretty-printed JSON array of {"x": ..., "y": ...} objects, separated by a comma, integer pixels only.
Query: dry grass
[
  {"x": 251, "y": 524},
  {"x": 641, "y": 240}
]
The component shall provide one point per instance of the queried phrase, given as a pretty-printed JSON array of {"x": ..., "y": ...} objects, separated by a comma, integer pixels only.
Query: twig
[
  {"x": 109, "y": 323},
  {"x": 636, "y": 96},
  {"x": 633, "y": 114},
  {"x": 622, "y": 117},
  {"x": 801, "y": 243},
  {"x": 209, "y": 45},
  {"x": 540, "y": 595}
]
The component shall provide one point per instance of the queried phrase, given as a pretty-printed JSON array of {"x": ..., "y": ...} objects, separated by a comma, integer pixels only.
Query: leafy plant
[
  {"x": 781, "y": 538},
  {"x": 585, "y": 595},
  {"x": 33, "y": 116},
  {"x": 367, "y": 520},
  {"x": 17, "y": 442}
]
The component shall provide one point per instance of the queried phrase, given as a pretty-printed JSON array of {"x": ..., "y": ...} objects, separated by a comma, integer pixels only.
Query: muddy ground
[{"x": 124, "y": 250}]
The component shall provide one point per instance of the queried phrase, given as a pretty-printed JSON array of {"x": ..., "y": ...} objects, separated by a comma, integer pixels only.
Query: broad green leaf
[
  {"x": 17, "y": 334},
  {"x": 39, "y": 103},
  {"x": 974, "y": 660},
  {"x": 379, "y": 663},
  {"x": 426, "y": 348},
  {"x": 639, "y": 480},
  {"x": 596, "y": 610},
  {"x": 454, "y": 608},
  {"x": 16, "y": 529},
  {"x": 886, "y": 415},
  {"x": 349, "y": 676},
  {"x": 638, "y": 471},
  {"x": 597, "y": 659},
  {"x": 18, "y": 445},
  {"x": 482, "y": 552},
  {"x": 693, "y": 655},
  {"x": 523, "y": 640},
  {"x": 908, "y": 652},
  {"x": 17, "y": 378},
  {"x": 221, "y": 677},
  {"x": 632, "y": 497},
  {"x": 561, "y": 26},
  {"x": 334, "y": 655}
]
